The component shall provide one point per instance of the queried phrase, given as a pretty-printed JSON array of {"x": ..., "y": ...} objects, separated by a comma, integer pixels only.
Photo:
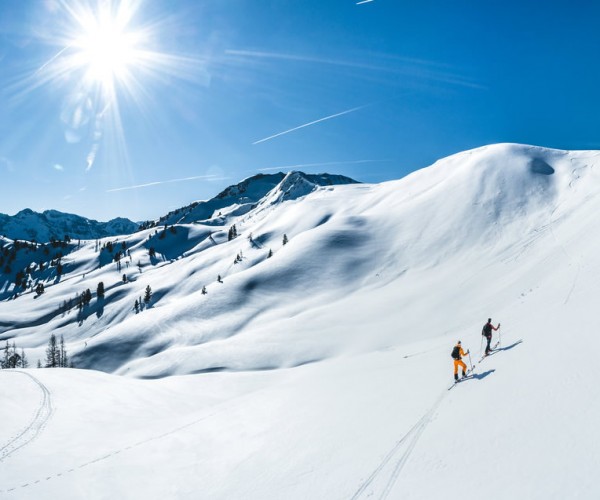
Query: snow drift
[{"x": 323, "y": 370}]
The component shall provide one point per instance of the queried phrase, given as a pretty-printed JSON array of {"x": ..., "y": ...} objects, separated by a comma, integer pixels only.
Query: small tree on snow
[
  {"x": 204, "y": 292},
  {"x": 6, "y": 357},
  {"x": 232, "y": 233},
  {"x": 136, "y": 306},
  {"x": 24, "y": 361},
  {"x": 52, "y": 353},
  {"x": 285, "y": 239},
  {"x": 63, "y": 358},
  {"x": 148, "y": 294},
  {"x": 270, "y": 254}
]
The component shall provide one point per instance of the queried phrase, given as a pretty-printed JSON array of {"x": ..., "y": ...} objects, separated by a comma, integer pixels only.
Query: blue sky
[{"x": 197, "y": 95}]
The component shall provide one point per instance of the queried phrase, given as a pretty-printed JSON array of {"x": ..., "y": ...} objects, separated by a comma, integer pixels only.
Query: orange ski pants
[{"x": 457, "y": 363}]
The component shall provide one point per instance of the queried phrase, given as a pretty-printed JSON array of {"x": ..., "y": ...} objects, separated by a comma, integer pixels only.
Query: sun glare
[
  {"x": 105, "y": 46},
  {"x": 107, "y": 52}
]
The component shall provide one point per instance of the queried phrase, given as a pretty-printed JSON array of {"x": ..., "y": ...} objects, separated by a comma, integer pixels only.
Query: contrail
[
  {"x": 156, "y": 183},
  {"x": 53, "y": 58},
  {"x": 407, "y": 66},
  {"x": 364, "y": 1},
  {"x": 322, "y": 164},
  {"x": 308, "y": 124}
]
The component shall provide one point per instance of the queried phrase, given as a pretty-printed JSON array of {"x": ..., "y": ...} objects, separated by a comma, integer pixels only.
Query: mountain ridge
[
  {"x": 48, "y": 225},
  {"x": 238, "y": 199}
]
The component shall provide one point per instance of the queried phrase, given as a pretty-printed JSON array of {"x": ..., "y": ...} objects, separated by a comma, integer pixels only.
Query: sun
[
  {"x": 107, "y": 52},
  {"x": 105, "y": 45},
  {"x": 110, "y": 48},
  {"x": 107, "y": 59}
]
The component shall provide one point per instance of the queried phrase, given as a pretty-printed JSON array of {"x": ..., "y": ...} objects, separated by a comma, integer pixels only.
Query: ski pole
[
  {"x": 499, "y": 335},
  {"x": 470, "y": 363},
  {"x": 481, "y": 346}
]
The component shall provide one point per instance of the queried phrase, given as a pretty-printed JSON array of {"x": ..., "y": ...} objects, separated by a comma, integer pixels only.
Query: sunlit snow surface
[{"x": 323, "y": 371}]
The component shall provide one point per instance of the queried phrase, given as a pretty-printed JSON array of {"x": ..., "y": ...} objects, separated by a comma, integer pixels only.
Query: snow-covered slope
[
  {"x": 52, "y": 224},
  {"x": 323, "y": 371}
]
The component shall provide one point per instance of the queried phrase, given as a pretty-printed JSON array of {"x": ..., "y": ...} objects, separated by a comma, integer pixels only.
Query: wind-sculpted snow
[
  {"x": 357, "y": 255},
  {"x": 321, "y": 368}
]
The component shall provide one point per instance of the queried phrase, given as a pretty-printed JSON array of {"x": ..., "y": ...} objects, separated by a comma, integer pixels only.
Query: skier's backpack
[
  {"x": 487, "y": 330},
  {"x": 456, "y": 352}
]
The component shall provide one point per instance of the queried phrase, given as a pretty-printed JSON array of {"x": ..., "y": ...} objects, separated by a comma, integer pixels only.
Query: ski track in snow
[
  {"x": 577, "y": 263},
  {"x": 36, "y": 425},
  {"x": 405, "y": 445},
  {"x": 403, "y": 449},
  {"x": 110, "y": 454},
  {"x": 107, "y": 456}
]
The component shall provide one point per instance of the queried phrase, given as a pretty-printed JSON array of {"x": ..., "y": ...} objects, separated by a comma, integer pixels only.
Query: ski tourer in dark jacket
[{"x": 487, "y": 333}]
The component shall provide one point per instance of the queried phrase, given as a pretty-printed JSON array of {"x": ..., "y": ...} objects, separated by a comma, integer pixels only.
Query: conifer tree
[
  {"x": 232, "y": 233},
  {"x": 6, "y": 356},
  {"x": 148, "y": 294},
  {"x": 285, "y": 239},
  {"x": 63, "y": 358},
  {"x": 136, "y": 306},
  {"x": 100, "y": 290},
  {"x": 270, "y": 254},
  {"x": 52, "y": 353},
  {"x": 24, "y": 361}
]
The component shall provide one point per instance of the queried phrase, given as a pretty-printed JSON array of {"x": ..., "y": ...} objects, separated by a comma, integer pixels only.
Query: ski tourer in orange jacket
[{"x": 457, "y": 354}]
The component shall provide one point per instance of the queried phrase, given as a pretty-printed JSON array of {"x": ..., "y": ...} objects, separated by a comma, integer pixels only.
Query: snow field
[{"x": 323, "y": 372}]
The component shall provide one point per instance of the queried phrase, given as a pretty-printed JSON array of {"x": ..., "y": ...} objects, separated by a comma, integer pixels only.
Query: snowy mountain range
[
  {"x": 54, "y": 225},
  {"x": 296, "y": 343}
]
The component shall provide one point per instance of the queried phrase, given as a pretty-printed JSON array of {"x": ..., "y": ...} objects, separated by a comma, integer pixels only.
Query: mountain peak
[
  {"x": 240, "y": 198},
  {"x": 296, "y": 184}
]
